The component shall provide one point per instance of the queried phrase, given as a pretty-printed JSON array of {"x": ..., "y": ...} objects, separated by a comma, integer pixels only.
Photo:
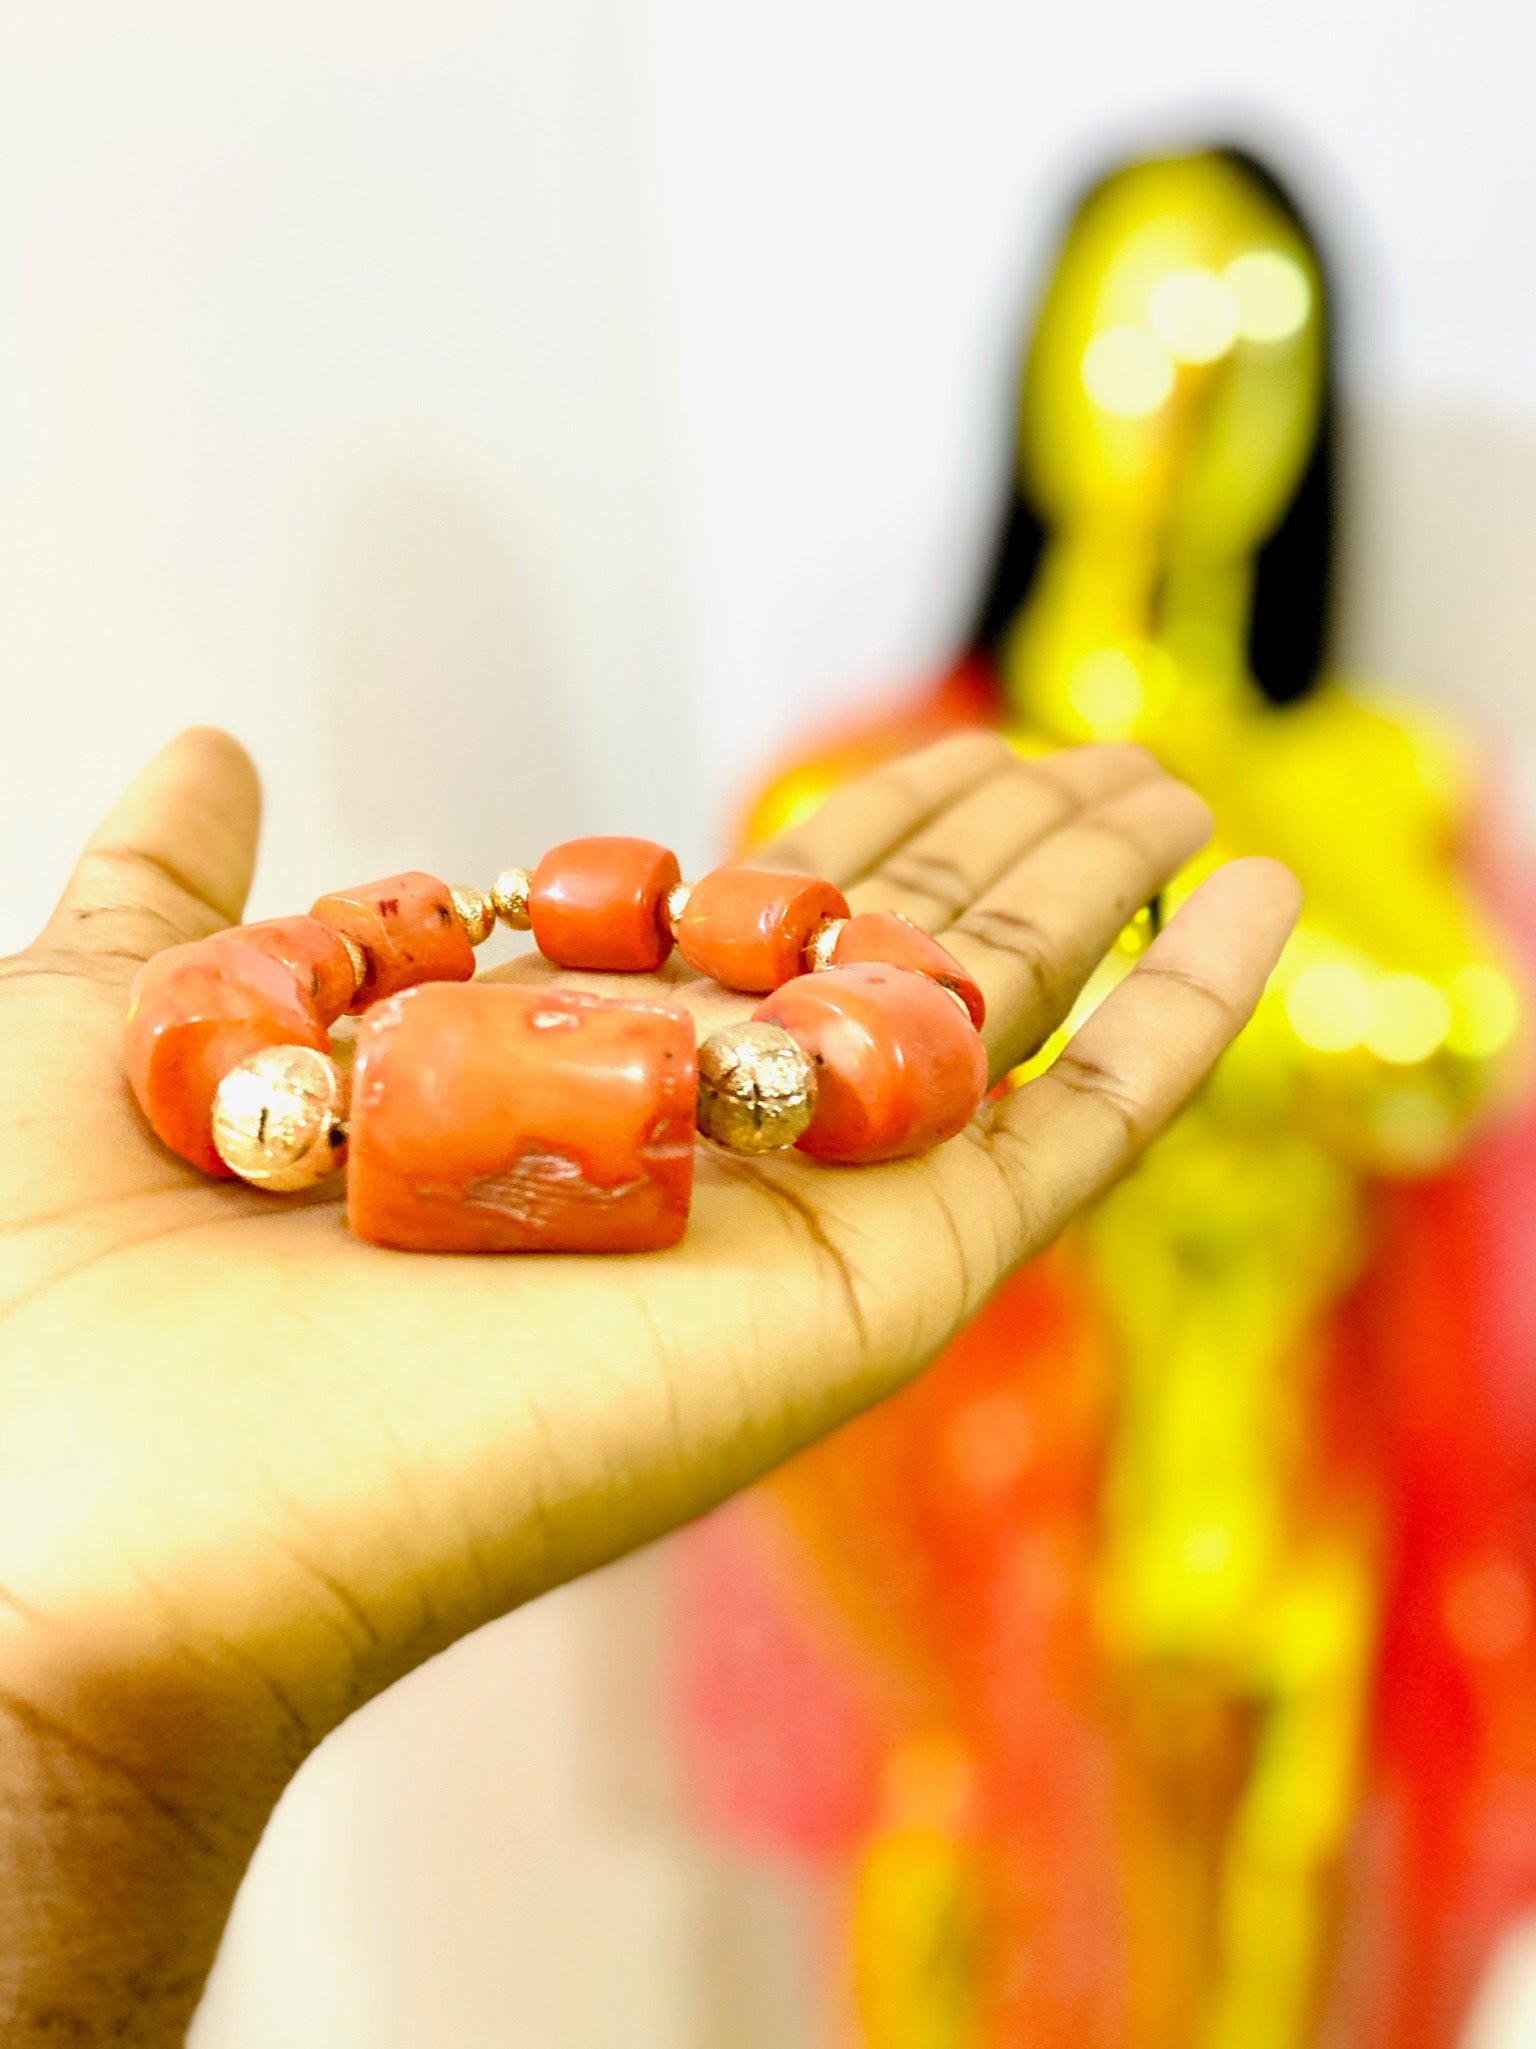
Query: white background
[{"x": 521, "y": 418}]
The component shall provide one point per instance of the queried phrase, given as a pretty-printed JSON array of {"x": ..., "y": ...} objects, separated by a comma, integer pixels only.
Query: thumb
[{"x": 171, "y": 860}]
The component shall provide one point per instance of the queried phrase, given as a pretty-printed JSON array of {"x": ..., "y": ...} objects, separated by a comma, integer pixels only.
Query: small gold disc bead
[
  {"x": 757, "y": 1090},
  {"x": 477, "y": 912},
  {"x": 818, "y": 948},
  {"x": 359, "y": 961},
  {"x": 677, "y": 903},
  {"x": 278, "y": 1118},
  {"x": 509, "y": 899}
]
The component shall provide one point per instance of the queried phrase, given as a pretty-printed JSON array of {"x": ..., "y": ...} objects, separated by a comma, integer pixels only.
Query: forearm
[{"x": 119, "y": 1863}]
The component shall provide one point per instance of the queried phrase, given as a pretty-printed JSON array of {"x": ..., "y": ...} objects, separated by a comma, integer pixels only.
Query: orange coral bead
[
  {"x": 898, "y": 1068},
  {"x": 747, "y": 927},
  {"x": 408, "y": 929},
  {"x": 196, "y": 1011},
  {"x": 312, "y": 950},
  {"x": 602, "y": 903},
  {"x": 496, "y": 1118},
  {"x": 888, "y": 936}
]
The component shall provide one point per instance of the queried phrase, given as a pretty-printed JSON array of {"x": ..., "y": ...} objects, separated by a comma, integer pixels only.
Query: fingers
[
  {"x": 171, "y": 860},
  {"x": 1064, "y": 1137},
  {"x": 865, "y": 819},
  {"x": 1027, "y": 868},
  {"x": 1033, "y": 939},
  {"x": 936, "y": 873}
]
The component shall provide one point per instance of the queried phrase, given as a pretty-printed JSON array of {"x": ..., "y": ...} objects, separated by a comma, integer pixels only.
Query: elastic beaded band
[{"x": 500, "y": 1117}]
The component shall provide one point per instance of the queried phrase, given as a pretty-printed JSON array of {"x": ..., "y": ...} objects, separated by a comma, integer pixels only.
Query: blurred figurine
[{"x": 1165, "y": 1669}]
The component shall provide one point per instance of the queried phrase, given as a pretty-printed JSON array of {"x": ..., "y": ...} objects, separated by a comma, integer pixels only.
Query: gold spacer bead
[
  {"x": 757, "y": 1089},
  {"x": 359, "y": 961},
  {"x": 477, "y": 913},
  {"x": 818, "y": 948},
  {"x": 278, "y": 1118},
  {"x": 509, "y": 898},
  {"x": 677, "y": 903}
]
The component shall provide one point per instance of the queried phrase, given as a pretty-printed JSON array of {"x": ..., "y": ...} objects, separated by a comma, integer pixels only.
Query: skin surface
[{"x": 252, "y": 1470}]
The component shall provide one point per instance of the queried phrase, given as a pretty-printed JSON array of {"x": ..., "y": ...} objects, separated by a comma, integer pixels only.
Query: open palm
[{"x": 253, "y": 1470}]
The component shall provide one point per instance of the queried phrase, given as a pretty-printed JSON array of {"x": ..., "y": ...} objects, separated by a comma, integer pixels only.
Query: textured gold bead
[
  {"x": 277, "y": 1118},
  {"x": 818, "y": 948},
  {"x": 359, "y": 961},
  {"x": 477, "y": 913},
  {"x": 677, "y": 903},
  {"x": 757, "y": 1090},
  {"x": 509, "y": 898}
]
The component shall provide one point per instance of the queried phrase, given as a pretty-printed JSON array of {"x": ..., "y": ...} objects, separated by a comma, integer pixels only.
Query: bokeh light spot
[
  {"x": 1329, "y": 1007},
  {"x": 1127, "y": 372},
  {"x": 1104, "y": 688},
  {"x": 1193, "y": 315},
  {"x": 1272, "y": 294},
  {"x": 1410, "y": 1019},
  {"x": 1484, "y": 1011}
]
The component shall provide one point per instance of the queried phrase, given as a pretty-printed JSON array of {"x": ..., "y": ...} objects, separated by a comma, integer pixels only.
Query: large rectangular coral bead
[{"x": 490, "y": 1117}]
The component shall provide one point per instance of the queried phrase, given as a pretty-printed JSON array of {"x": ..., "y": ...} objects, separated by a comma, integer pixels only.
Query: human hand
[{"x": 253, "y": 1470}]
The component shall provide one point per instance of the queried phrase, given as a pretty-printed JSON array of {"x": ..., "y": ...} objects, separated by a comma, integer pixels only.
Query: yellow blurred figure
[
  {"x": 1164, "y": 578},
  {"x": 1170, "y": 407}
]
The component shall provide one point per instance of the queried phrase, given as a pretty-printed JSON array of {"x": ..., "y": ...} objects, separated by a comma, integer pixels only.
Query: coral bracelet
[{"x": 498, "y": 1117}]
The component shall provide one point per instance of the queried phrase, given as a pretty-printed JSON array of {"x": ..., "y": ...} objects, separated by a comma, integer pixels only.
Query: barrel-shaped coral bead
[
  {"x": 312, "y": 950},
  {"x": 195, "y": 1012},
  {"x": 747, "y": 927},
  {"x": 498, "y": 1118},
  {"x": 602, "y": 903},
  {"x": 408, "y": 930},
  {"x": 898, "y": 1067},
  {"x": 888, "y": 936}
]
